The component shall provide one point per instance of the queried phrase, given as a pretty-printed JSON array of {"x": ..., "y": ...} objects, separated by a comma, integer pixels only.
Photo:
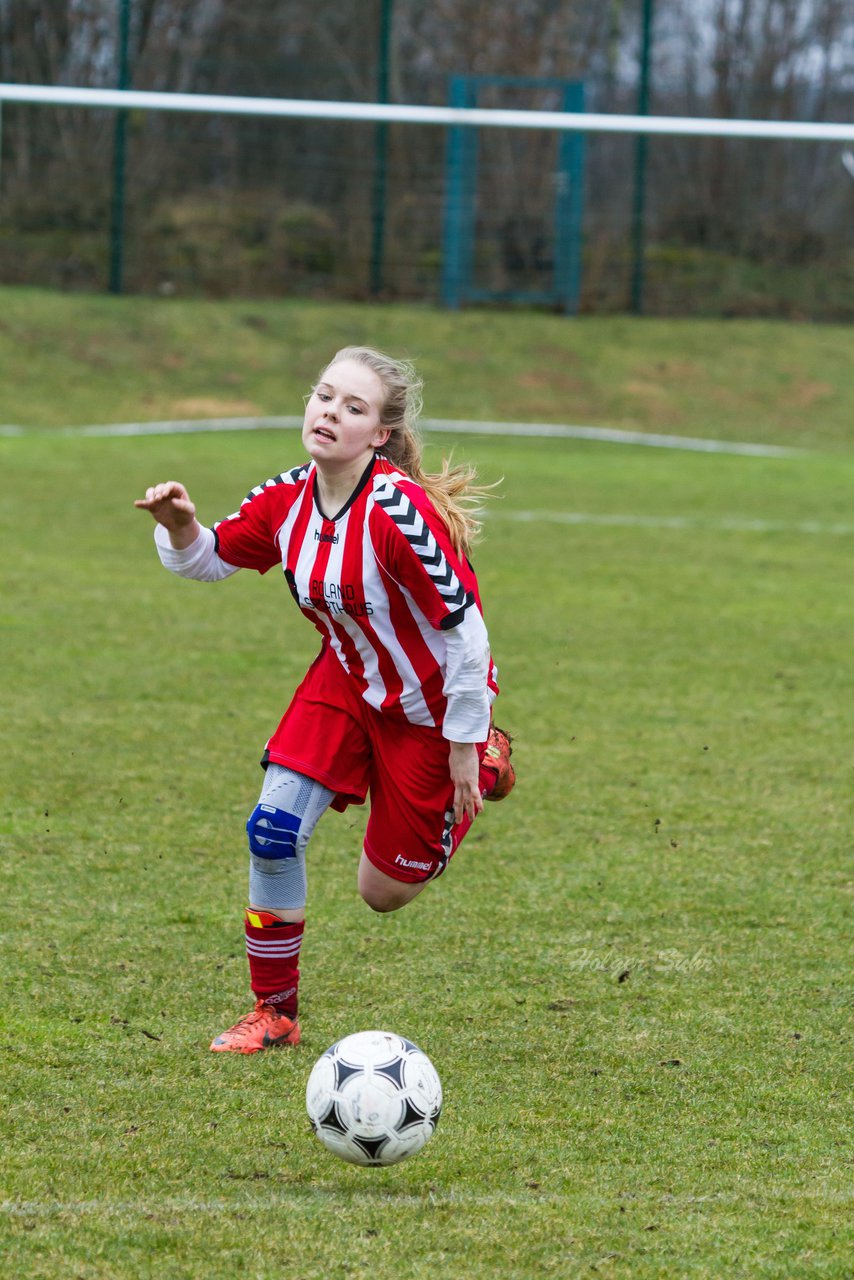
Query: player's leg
[
  {"x": 279, "y": 830},
  {"x": 381, "y": 892},
  {"x": 411, "y": 834},
  {"x": 317, "y": 757}
]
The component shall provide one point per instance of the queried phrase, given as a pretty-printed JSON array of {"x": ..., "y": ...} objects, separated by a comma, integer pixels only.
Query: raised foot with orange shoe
[
  {"x": 265, "y": 1027},
  {"x": 496, "y": 758}
]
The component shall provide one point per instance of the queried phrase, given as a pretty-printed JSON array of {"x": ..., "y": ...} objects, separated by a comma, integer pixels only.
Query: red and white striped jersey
[{"x": 380, "y": 581}]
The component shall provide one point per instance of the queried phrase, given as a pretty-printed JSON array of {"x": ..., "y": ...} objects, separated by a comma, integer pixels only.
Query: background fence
[{"x": 222, "y": 205}]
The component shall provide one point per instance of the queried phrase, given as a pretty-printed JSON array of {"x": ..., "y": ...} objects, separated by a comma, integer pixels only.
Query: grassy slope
[
  {"x": 74, "y": 359},
  {"x": 683, "y": 817}
]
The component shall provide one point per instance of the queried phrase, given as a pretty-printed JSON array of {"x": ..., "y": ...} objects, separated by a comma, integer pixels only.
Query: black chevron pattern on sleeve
[
  {"x": 287, "y": 477},
  {"x": 414, "y": 528}
]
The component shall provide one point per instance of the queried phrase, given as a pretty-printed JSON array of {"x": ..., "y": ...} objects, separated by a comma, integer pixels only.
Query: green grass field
[
  {"x": 67, "y": 359},
  {"x": 634, "y": 979}
]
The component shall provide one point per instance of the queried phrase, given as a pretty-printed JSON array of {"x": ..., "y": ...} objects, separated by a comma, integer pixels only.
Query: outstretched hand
[
  {"x": 169, "y": 503},
  {"x": 171, "y": 506}
]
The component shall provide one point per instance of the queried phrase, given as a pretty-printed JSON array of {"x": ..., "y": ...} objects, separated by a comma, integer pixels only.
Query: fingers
[
  {"x": 170, "y": 490},
  {"x": 464, "y": 770},
  {"x": 169, "y": 504},
  {"x": 146, "y": 502},
  {"x": 468, "y": 802}
]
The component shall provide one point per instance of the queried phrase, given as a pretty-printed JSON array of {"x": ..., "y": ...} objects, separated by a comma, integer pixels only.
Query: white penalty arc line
[
  {"x": 608, "y": 435},
  {"x": 453, "y": 426},
  {"x": 520, "y": 429}
]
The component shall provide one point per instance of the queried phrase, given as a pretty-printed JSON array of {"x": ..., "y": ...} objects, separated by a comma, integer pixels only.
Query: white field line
[
  {"x": 609, "y": 435},
  {"x": 456, "y": 426},
  {"x": 725, "y": 524},
  {"x": 260, "y": 1204},
  {"x": 292, "y": 1196}
]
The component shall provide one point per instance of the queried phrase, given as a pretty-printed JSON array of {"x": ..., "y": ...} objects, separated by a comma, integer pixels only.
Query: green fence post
[
  {"x": 381, "y": 148},
  {"x": 117, "y": 219},
  {"x": 639, "y": 205},
  {"x": 460, "y": 187}
]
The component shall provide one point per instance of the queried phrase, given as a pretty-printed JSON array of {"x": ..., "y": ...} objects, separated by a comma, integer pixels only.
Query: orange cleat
[
  {"x": 496, "y": 759},
  {"x": 266, "y": 1027}
]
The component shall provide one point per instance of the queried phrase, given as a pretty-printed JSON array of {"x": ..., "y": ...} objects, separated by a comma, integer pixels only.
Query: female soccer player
[{"x": 397, "y": 703}]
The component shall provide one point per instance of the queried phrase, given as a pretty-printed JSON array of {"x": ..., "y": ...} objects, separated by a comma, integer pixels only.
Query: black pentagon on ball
[
  {"x": 343, "y": 1071},
  {"x": 370, "y": 1146},
  {"x": 392, "y": 1070},
  {"x": 411, "y": 1115},
  {"x": 332, "y": 1120}
]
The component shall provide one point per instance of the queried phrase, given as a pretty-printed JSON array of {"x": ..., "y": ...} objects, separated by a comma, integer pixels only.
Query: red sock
[{"x": 273, "y": 947}]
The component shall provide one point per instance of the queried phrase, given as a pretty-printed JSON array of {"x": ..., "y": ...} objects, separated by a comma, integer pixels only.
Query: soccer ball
[{"x": 373, "y": 1098}]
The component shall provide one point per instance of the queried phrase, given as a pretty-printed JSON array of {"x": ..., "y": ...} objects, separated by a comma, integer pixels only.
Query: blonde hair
[{"x": 453, "y": 490}]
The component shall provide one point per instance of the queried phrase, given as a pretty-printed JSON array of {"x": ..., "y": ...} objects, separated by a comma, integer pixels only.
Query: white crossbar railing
[{"x": 587, "y": 122}]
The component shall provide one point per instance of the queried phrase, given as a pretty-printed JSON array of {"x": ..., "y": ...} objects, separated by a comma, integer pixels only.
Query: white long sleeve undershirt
[
  {"x": 466, "y": 669},
  {"x": 199, "y": 560}
]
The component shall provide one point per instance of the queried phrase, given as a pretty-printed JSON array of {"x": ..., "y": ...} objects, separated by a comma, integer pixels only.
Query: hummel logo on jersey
[{"x": 325, "y": 537}]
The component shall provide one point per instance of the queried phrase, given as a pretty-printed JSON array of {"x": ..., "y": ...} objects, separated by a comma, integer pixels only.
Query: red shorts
[{"x": 331, "y": 734}]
